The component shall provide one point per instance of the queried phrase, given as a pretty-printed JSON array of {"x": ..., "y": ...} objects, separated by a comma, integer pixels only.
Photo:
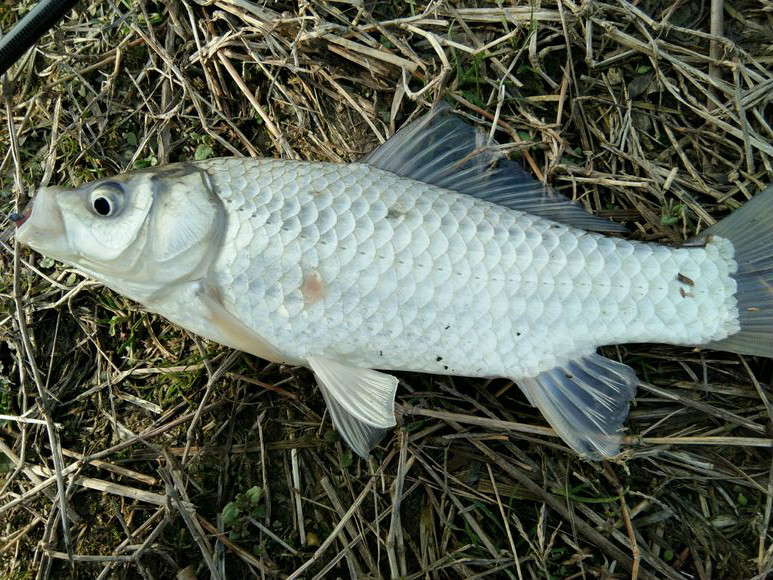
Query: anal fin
[
  {"x": 586, "y": 402},
  {"x": 361, "y": 401}
]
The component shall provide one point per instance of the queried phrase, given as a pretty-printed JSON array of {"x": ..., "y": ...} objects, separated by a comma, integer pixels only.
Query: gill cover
[{"x": 186, "y": 213}]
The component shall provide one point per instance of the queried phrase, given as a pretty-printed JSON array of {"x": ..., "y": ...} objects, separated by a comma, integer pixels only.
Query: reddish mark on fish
[{"x": 312, "y": 287}]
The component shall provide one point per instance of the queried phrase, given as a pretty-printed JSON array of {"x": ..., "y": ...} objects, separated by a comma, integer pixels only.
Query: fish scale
[{"x": 420, "y": 278}]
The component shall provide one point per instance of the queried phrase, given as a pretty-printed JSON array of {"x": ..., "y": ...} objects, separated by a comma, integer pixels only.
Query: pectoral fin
[
  {"x": 234, "y": 333},
  {"x": 586, "y": 402},
  {"x": 361, "y": 401}
]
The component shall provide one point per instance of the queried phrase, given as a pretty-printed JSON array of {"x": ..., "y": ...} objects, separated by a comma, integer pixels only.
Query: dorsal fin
[{"x": 441, "y": 149}]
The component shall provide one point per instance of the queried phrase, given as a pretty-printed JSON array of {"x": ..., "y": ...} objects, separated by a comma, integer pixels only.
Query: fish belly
[{"x": 358, "y": 264}]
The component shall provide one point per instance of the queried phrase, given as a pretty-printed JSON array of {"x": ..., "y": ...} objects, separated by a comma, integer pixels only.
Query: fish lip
[
  {"x": 41, "y": 225},
  {"x": 19, "y": 219}
]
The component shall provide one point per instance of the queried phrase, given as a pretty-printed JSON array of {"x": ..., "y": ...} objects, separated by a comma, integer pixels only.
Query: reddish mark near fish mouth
[
  {"x": 312, "y": 287},
  {"x": 18, "y": 219}
]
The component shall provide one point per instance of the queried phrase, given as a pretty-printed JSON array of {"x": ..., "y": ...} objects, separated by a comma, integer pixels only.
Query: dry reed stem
[{"x": 643, "y": 111}]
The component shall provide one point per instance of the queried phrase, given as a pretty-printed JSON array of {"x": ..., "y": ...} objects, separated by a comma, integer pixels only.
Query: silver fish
[{"x": 429, "y": 255}]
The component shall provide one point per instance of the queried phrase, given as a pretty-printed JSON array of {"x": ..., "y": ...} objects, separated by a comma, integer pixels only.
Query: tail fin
[{"x": 750, "y": 230}]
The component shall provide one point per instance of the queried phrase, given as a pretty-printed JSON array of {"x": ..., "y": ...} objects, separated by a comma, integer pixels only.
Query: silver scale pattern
[{"x": 408, "y": 276}]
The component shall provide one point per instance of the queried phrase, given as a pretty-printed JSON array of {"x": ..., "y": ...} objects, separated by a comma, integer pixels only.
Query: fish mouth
[
  {"x": 18, "y": 219},
  {"x": 41, "y": 225}
]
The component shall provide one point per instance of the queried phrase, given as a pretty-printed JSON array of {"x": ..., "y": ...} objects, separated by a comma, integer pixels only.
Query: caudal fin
[{"x": 750, "y": 230}]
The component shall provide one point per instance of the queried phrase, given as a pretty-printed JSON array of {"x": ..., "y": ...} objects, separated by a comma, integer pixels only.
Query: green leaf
[
  {"x": 230, "y": 513},
  {"x": 346, "y": 458},
  {"x": 202, "y": 152},
  {"x": 643, "y": 69},
  {"x": 254, "y": 494},
  {"x": 131, "y": 139},
  {"x": 149, "y": 161}
]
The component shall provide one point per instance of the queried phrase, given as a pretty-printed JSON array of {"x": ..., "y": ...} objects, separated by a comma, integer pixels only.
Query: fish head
[{"x": 138, "y": 232}]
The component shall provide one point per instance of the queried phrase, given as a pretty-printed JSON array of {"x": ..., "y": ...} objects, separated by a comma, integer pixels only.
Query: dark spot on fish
[
  {"x": 381, "y": 353},
  {"x": 685, "y": 280},
  {"x": 569, "y": 375},
  {"x": 517, "y": 334},
  {"x": 447, "y": 327},
  {"x": 439, "y": 358},
  {"x": 445, "y": 367},
  {"x": 19, "y": 218},
  {"x": 394, "y": 214}
]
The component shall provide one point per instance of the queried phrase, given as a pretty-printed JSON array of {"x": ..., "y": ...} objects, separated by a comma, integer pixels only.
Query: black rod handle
[{"x": 30, "y": 28}]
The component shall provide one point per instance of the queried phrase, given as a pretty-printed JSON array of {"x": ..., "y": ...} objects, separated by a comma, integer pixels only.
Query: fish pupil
[{"x": 102, "y": 206}]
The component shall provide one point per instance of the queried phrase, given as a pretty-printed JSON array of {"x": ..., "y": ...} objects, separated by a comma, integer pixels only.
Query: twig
[
  {"x": 179, "y": 497},
  {"x": 28, "y": 351},
  {"x": 108, "y": 487},
  {"x": 296, "y": 471},
  {"x": 715, "y": 46},
  {"x": 506, "y": 522},
  {"x": 334, "y": 534},
  {"x": 212, "y": 378},
  {"x": 394, "y": 537}
]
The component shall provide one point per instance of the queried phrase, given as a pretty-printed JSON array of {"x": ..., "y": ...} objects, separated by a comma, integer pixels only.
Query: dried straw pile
[{"x": 181, "y": 459}]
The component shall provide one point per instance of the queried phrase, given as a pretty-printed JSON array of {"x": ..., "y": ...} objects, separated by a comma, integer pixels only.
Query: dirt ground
[{"x": 177, "y": 458}]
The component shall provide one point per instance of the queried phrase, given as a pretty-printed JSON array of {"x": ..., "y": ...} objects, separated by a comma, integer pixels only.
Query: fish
[{"x": 432, "y": 254}]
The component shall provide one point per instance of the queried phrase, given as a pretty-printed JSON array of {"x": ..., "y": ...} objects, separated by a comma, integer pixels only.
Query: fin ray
[
  {"x": 361, "y": 401},
  {"x": 585, "y": 401},
  {"x": 441, "y": 149},
  {"x": 750, "y": 230}
]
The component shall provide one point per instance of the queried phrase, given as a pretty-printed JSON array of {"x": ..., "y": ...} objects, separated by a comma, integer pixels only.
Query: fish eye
[
  {"x": 103, "y": 206},
  {"x": 105, "y": 199}
]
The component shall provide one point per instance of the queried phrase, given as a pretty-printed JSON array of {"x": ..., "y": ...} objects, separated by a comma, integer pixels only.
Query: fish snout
[{"x": 40, "y": 225}]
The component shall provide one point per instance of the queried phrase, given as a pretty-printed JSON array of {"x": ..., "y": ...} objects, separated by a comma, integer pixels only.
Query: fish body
[
  {"x": 358, "y": 264},
  {"x": 350, "y": 269}
]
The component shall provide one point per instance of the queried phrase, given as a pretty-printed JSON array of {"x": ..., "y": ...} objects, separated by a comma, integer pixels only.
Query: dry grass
[{"x": 152, "y": 443}]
